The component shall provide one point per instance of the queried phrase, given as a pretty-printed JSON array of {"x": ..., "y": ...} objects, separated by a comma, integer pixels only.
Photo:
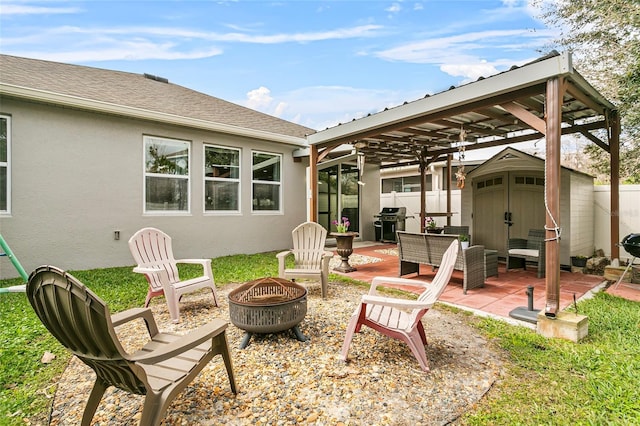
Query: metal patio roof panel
[{"x": 491, "y": 111}]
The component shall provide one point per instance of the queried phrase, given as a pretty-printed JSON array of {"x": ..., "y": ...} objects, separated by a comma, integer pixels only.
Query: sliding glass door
[{"x": 338, "y": 195}]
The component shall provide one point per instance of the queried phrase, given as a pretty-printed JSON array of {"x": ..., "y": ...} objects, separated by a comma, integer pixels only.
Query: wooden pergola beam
[
  {"x": 594, "y": 139},
  {"x": 577, "y": 94},
  {"x": 532, "y": 120}
]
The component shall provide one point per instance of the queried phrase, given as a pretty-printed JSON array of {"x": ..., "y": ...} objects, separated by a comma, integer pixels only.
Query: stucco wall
[
  {"x": 369, "y": 201},
  {"x": 77, "y": 177}
]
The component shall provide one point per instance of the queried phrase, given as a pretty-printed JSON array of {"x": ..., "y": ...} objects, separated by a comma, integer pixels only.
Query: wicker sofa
[
  {"x": 456, "y": 230},
  {"x": 427, "y": 249}
]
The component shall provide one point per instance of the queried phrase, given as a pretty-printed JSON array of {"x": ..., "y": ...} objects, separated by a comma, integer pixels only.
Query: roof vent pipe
[{"x": 156, "y": 78}]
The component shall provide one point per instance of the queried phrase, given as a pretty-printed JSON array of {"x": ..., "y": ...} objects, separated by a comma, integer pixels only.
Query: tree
[{"x": 604, "y": 36}]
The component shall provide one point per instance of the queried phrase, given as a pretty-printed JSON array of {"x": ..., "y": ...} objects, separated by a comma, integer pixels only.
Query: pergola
[{"x": 546, "y": 98}]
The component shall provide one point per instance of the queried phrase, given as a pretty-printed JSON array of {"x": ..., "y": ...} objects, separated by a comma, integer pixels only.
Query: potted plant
[
  {"x": 342, "y": 226},
  {"x": 344, "y": 241},
  {"x": 579, "y": 261},
  {"x": 464, "y": 241},
  {"x": 432, "y": 227}
]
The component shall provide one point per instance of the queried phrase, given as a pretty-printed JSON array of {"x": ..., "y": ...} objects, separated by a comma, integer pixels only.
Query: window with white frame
[
  {"x": 166, "y": 175},
  {"x": 266, "y": 181},
  {"x": 221, "y": 179},
  {"x": 5, "y": 149}
]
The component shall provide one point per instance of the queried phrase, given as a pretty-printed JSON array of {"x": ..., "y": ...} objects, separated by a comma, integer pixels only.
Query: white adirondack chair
[
  {"x": 151, "y": 249},
  {"x": 311, "y": 260},
  {"x": 401, "y": 318}
]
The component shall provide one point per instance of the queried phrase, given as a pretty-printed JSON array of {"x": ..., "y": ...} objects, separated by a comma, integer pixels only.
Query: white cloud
[
  {"x": 172, "y": 33},
  {"x": 394, "y": 8},
  {"x": 466, "y": 55},
  {"x": 470, "y": 71},
  {"x": 280, "y": 109},
  {"x": 75, "y": 43},
  {"x": 511, "y": 3},
  {"x": 130, "y": 51},
  {"x": 21, "y": 9},
  {"x": 319, "y": 107},
  {"x": 259, "y": 99}
]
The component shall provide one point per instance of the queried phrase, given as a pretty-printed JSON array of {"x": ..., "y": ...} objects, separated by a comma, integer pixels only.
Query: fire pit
[{"x": 268, "y": 305}]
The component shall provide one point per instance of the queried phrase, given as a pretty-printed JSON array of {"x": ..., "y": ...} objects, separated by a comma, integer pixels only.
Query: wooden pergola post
[
  {"x": 614, "y": 150},
  {"x": 552, "y": 194},
  {"x": 423, "y": 188},
  {"x": 313, "y": 184},
  {"x": 449, "y": 170}
]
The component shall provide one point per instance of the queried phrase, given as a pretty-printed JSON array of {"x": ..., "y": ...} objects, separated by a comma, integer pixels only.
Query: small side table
[{"x": 490, "y": 263}]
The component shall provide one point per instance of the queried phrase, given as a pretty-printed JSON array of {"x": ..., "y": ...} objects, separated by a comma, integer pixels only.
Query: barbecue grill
[
  {"x": 631, "y": 244},
  {"x": 392, "y": 219}
]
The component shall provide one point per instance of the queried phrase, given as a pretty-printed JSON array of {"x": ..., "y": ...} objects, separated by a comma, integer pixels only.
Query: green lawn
[
  {"x": 552, "y": 381},
  {"x": 546, "y": 381}
]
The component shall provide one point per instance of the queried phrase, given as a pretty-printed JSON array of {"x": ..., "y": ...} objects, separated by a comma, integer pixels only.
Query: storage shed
[{"x": 504, "y": 198}]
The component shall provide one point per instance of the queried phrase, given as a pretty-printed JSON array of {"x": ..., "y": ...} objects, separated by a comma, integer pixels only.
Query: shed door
[
  {"x": 507, "y": 206},
  {"x": 526, "y": 203},
  {"x": 489, "y": 205}
]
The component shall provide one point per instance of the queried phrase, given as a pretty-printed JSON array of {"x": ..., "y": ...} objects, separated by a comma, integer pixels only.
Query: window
[
  {"x": 5, "y": 149},
  {"x": 221, "y": 179},
  {"x": 529, "y": 180},
  {"x": 266, "y": 180},
  {"x": 166, "y": 174},
  {"x": 489, "y": 182},
  {"x": 405, "y": 184}
]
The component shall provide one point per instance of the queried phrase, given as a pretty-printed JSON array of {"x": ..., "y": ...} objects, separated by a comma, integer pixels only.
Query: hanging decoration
[
  {"x": 460, "y": 174},
  {"x": 360, "y": 162}
]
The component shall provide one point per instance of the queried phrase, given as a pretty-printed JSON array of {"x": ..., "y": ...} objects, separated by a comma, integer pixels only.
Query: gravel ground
[{"x": 282, "y": 381}]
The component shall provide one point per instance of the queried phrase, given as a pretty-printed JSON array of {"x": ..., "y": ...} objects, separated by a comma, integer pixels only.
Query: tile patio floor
[{"x": 500, "y": 294}]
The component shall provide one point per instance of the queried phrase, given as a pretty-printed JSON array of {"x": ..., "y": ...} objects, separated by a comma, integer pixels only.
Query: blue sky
[{"x": 316, "y": 63}]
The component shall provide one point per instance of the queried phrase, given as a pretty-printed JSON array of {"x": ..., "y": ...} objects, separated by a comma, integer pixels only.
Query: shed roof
[
  {"x": 140, "y": 96},
  {"x": 492, "y": 111},
  {"x": 510, "y": 153}
]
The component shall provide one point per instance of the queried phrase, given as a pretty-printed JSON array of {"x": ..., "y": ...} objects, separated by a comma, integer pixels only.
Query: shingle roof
[{"x": 137, "y": 91}]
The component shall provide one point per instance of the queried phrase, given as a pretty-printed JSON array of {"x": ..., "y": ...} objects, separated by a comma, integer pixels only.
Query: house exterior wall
[
  {"x": 369, "y": 201},
  {"x": 78, "y": 176}
]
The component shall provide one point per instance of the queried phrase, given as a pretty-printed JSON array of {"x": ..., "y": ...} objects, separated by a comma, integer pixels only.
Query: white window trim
[
  {"x": 146, "y": 212},
  {"x": 280, "y": 183},
  {"x": 239, "y": 181},
  {"x": 7, "y": 164}
]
